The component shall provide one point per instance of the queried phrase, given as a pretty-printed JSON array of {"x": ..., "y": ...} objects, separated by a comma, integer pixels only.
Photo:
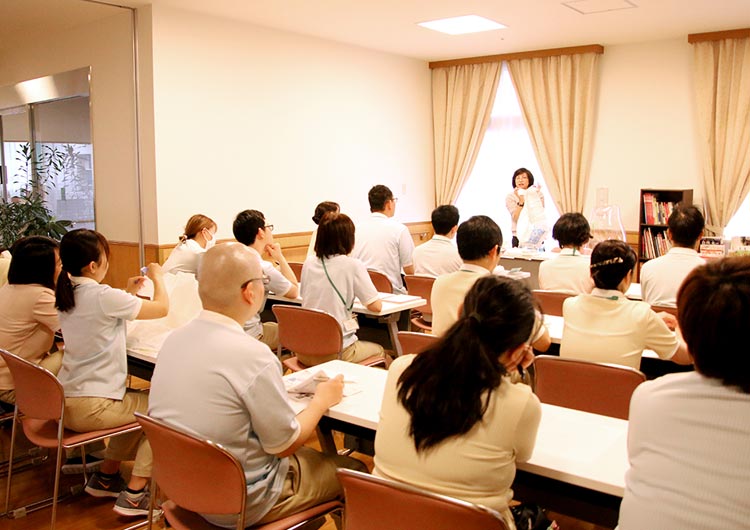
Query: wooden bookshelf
[{"x": 655, "y": 207}]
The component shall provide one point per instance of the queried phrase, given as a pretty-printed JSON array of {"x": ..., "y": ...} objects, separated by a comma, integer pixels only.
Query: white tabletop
[
  {"x": 576, "y": 447},
  {"x": 392, "y": 303}
]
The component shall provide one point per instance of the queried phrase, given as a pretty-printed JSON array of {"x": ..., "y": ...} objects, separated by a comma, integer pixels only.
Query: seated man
[
  {"x": 250, "y": 229},
  {"x": 661, "y": 277},
  {"x": 569, "y": 270},
  {"x": 215, "y": 381},
  {"x": 382, "y": 243},
  {"x": 479, "y": 240},
  {"x": 439, "y": 255}
]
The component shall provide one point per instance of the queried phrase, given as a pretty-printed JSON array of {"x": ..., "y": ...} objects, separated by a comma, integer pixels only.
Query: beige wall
[
  {"x": 645, "y": 131},
  {"x": 105, "y": 46},
  {"x": 248, "y": 117}
]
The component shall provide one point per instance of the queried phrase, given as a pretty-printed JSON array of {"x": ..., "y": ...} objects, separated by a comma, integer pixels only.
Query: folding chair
[
  {"x": 311, "y": 332},
  {"x": 421, "y": 286},
  {"x": 551, "y": 301},
  {"x": 412, "y": 342},
  {"x": 201, "y": 476},
  {"x": 582, "y": 385},
  {"x": 40, "y": 408},
  {"x": 296, "y": 267},
  {"x": 374, "y": 503},
  {"x": 381, "y": 281}
]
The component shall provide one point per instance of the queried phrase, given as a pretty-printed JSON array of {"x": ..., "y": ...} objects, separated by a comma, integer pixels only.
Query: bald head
[{"x": 223, "y": 270}]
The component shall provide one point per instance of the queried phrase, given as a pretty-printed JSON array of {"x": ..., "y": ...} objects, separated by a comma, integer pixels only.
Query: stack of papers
[{"x": 304, "y": 383}]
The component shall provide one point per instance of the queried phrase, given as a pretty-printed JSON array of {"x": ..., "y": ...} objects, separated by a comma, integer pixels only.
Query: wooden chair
[
  {"x": 311, "y": 332},
  {"x": 413, "y": 342},
  {"x": 421, "y": 286},
  {"x": 200, "y": 476},
  {"x": 551, "y": 302},
  {"x": 374, "y": 503},
  {"x": 296, "y": 267},
  {"x": 40, "y": 409},
  {"x": 582, "y": 385},
  {"x": 381, "y": 282},
  {"x": 659, "y": 308}
]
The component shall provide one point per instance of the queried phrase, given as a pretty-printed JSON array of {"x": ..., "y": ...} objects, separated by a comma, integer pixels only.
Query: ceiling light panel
[
  {"x": 462, "y": 25},
  {"x": 589, "y": 7}
]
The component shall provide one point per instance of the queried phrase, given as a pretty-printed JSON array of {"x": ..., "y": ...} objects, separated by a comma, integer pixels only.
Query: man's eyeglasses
[
  {"x": 269, "y": 227},
  {"x": 265, "y": 279}
]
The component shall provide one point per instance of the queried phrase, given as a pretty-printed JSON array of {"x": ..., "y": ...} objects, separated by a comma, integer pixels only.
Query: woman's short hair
[
  {"x": 34, "y": 261},
  {"x": 335, "y": 235},
  {"x": 322, "y": 209},
  {"x": 713, "y": 310},
  {"x": 195, "y": 224},
  {"x": 447, "y": 388},
  {"x": 521, "y": 171},
  {"x": 572, "y": 229},
  {"x": 611, "y": 261}
]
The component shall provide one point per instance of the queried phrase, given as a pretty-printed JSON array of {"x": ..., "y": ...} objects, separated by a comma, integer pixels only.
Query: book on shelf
[
  {"x": 654, "y": 245},
  {"x": 656, "y": 212}
]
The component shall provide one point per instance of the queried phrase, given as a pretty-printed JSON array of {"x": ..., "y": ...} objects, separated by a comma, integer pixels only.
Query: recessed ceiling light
[
  {"x": 590, "y": 7},
  {"x": 462, "y": 25}
]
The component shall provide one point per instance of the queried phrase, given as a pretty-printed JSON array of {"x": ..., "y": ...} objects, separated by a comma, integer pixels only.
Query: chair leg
[
  {"x": 58, "y": 465},
  {"x": 10, "y": 461}
]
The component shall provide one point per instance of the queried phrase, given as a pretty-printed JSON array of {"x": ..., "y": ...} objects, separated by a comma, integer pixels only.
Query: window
[{"x": 505, "y": 148}]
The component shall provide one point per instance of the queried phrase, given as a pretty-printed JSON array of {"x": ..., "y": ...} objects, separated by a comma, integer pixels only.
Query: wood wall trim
[
  {"x": 552, "y": 52},
  {"x": 719, "y": 35}
]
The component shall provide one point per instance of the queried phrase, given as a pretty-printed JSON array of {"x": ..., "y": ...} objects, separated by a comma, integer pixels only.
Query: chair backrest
[
  {"x": 381, "y": 281},
  {"x": 296, "y": 267},
  {"x": 308, "y": 331},
  {"x": 374, "y": 503},
  {"x": 420, "y": 286},
  {"x": 194, "y": 473},
  {"x": 551, "y": 301},
  {"x": 412, "y": 342},
  {"x": 582, "y": 385},
  {"x": 659, "y": 308},
  {"x": 39, "y": 395}
]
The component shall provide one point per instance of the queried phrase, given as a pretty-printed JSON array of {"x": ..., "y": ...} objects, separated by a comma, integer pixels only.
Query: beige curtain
[
  {"x": 557, "y": 96},
  {"x": 722, "y": 87},
  {"x": 462, "y": 100}
]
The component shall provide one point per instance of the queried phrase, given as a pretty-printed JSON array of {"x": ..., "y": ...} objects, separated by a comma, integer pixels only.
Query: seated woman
[
  {"x": 451, "y": 420},
  {"x": 94, "y": 369},
  {"x": 320, "y": 210},
  {"x": 688, "y": 433},
  {"x": 199, "y": 236},
  {"x": 332, "y": 279},
  {"x": 28, "y": 319},
  {"x": 606, "y": 327},
  {"x": 569, "y": 270}
]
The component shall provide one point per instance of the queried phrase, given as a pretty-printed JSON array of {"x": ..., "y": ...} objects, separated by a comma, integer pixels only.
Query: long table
[{"x": 578, "y": 456}]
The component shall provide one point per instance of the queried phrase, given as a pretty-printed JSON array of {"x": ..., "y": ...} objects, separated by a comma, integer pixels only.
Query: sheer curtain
[
  {"x": 462, "y": 98},
  {"x": 722, "y": 87},
  {"x": 557, "y": 95}
]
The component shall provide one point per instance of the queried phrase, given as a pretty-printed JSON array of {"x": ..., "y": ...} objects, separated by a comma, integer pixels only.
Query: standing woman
[
  {"x": 451, "y": 421},
  {"x": 199, "y": 236},
  {"x": 320, "y": 210},
  {"x": 94, "y": 368},
  {"x": 332, "y": 279},
  {"x": 516, "y": 200},
  {"x": 28, "y": 319}
]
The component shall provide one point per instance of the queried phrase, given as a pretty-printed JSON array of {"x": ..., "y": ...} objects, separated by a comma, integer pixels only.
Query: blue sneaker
[{"x": 103, "y": 486}]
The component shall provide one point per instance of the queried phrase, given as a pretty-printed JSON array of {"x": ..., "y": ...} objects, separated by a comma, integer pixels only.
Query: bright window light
[{"x": 462, "y": 25}]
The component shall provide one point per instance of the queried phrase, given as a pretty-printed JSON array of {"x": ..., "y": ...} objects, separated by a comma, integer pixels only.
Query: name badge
[{"x": 351, "y": 324}]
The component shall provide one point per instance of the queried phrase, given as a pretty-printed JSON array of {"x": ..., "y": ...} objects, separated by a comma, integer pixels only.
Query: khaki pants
[
  {"x": 356, "y": 352},
  {"x": 311, "y": 480},
  {"x": 83, "y": 414},
  {"x": 270, "y": 335}
]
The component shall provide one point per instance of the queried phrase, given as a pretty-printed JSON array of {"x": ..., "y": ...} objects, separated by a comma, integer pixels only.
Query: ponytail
[
  {"x": 64, "y": 297},
  {"x": 78, "y": 248}
]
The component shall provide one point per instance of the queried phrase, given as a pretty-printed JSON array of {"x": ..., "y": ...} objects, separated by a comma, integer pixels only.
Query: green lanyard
[{"x": 348, "y": 308}]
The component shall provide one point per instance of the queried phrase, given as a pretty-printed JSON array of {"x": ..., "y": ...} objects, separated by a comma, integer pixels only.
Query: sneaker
[
  {"x": 132, "y": 504},
  {"x": 75, "y": 465},
  {"x": 102, "y": 486}
]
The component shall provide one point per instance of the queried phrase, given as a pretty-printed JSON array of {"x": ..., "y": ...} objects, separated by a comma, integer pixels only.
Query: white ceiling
[{"x": 390, "y": 25}]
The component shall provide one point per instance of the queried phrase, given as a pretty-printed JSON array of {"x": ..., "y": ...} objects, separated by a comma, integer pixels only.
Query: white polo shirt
[
  {"x": 278, "y": 284},
  {"x": 448, "y": 293},
  {"x": 661, "y": 277},
  {"x": 606, "y": 327},
  {"x": 385, "y": 245},
  {"x": 185, "y": 257},
  {"x": 436, "y": 257},
  {"x": 568, "y": 272},
  {"x": 350, "y": 277},
  {"x": 95, "y": 361},
  {"x": 216, "y": 382}
]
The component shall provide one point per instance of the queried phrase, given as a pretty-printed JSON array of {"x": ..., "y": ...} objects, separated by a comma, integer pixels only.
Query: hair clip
[{"x": 611, "y": 261}]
